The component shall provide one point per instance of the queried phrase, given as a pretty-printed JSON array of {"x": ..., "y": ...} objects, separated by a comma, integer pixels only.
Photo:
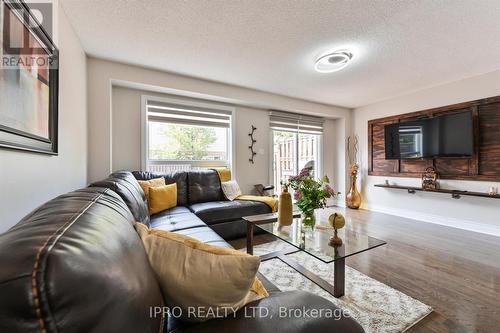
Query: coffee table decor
[
  {"x": 314, "y": 242},
  {"x": 336, "y": 221},
  {"x": 285, "y": 207},
  {"x": 310, "y": 194}
]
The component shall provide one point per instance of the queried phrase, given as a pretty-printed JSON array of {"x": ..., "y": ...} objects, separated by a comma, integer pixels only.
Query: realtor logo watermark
[
  {"x": 200, "y": 312},
  {"x": 22, "y": 34}
]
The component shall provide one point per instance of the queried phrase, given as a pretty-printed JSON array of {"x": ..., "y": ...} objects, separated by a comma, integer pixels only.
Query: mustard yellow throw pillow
[
  {"x": 162, "y": 198},
  {"x": 212, "y": 280},
  {"x": 146, "y": 184}
]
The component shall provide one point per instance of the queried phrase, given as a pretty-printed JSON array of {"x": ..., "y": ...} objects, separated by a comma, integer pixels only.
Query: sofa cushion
[
  {"x": 173, "y": 211},
  {"x": 127, "y": 187},
  {"x": 76, "y": 264},
  {"x": 223, "y": 211},
  {"x": 205, "y": 235},
  {"x": 162, "y": 198},
  {"x": 180, "y": 178},
  {"x": 196, "y": 274},
  {"x": 175, "y": 219},
  {"x": 204, "y": 186},
  {"x": 146, "y": 184}
]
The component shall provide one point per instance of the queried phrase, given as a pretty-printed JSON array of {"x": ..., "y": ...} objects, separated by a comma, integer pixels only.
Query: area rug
[{"x": 376, "y": 306}]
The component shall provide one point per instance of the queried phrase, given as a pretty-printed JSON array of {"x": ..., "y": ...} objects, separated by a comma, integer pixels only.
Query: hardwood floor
[{"x": 456, "y": 272}]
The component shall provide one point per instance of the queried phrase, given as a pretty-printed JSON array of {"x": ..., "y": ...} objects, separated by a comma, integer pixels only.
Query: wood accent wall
[{"x": 484, "y": 165}]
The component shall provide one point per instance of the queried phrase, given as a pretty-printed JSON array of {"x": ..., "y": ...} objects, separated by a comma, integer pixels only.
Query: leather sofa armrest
[{"x": 291, "y": 312}]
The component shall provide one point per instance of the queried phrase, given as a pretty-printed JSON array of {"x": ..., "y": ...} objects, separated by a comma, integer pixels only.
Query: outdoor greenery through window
[
  {"x": 183, "y": 137},
  {"x": 187, "y": 142}
]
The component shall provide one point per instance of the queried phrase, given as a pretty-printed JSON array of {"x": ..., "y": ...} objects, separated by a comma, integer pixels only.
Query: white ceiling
[{"x": 271, "y": 45}]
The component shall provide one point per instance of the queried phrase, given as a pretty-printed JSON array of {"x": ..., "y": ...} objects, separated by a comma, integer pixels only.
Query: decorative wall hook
[{"x": 252, "y": 143}]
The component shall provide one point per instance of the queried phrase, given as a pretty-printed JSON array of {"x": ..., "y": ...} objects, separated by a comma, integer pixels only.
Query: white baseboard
[{"x": 437, "y": 219}]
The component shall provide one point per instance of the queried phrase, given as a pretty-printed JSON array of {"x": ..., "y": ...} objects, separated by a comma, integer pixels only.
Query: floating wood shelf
[{"x": 455, "y": 194}]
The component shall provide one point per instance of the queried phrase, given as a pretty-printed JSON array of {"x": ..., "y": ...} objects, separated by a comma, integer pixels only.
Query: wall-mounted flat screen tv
[{"x": 445, "y": 136}]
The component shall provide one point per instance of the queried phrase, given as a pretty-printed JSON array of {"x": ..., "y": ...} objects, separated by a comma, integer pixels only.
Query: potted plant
[{"x": 310, "y": 194}]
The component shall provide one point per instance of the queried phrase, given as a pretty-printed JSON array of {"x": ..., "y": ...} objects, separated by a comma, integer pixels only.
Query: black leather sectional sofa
[
  {"x": 76, "y": 264},
  {"x": 200, "y": 201}
]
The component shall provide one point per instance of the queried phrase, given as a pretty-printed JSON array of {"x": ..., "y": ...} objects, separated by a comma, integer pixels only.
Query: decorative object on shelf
[
  {"x": 252, "y": 144},
  {"x": 493, "y": 191},
  {"x": 285, "y": 209},
  {"x": 336, "y": 221},
  {"x": 387, "y": 182},
  {"x": 353, "y": 197},
  {"x": 310, "y": 194},
  {"x": 430, "y": 179},
  {"x": 29, "y": 78}
]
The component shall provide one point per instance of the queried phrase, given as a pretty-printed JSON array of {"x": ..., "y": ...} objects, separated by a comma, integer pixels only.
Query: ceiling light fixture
[{"x": 333, "y": 62}]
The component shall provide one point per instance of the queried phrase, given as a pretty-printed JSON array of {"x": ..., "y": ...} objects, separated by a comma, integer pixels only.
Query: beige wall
[
  {"x": 479, "y": 214},
  {"x": 28, "y": 179},
  {"x": 126, "y": 133},
  {"x": 249, "y": 174},
  {"x": 126, "y": 117},
  {"x": 114, "y": 91}
]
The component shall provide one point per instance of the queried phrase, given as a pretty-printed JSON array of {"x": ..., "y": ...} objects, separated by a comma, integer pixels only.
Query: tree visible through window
[
  {"x": 187, "y": 142},
  {"x": 182, "y": 136}
]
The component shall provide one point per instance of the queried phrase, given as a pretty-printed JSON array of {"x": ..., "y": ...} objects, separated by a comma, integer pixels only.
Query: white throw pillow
[{"x": 231, "y": 189}]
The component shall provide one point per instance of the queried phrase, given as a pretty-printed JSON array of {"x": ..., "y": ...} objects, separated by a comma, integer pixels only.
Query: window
[
  {"x": 181, "y": 136},
  {"x": 296, "y": 145}
]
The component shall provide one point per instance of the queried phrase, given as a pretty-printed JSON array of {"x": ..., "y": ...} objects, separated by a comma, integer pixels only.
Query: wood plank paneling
[
  {"x": 484, "y": 165},
  {"x": 452, "y": 167},
  {"x": 489, "y": 139},
  {"x": 378, "y": 141},
  {"x": 380, "y": 164},
  {"x": 417, "y": 166}
]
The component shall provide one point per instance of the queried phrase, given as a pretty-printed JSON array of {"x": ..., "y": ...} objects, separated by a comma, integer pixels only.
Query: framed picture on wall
[{"x": 28, "y": 82}]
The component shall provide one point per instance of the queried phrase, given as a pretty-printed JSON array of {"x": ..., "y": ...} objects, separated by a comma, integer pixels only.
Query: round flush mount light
[{"x": 333, "y": 62}]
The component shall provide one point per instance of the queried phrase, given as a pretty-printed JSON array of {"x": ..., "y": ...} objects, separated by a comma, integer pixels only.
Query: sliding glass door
[{"x": 293, "y": 152}]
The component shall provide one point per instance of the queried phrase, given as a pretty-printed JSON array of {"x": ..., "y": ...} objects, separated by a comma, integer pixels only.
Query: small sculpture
[
  {"x": 493, "y": 191},
  {"x": 337, "y": 221},
  {"x": 430, "y": 179}
]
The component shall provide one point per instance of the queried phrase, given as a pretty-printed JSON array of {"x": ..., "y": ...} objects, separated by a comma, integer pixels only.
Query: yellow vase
[
  {"x": 353, "y": 198},
  {"x": 285, "y": 211}
]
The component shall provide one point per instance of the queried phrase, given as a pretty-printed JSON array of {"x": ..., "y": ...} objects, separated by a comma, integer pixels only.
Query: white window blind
[
  {"x": 187, "y": 115},
  {"x": 295, "y": 122}
]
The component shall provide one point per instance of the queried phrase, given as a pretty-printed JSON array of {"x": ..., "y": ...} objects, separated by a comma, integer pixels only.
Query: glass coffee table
[{"x": 313, "y": 242}]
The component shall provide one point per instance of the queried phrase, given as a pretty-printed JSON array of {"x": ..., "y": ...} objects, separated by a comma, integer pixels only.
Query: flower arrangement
[{"x": 310, "y": 193}]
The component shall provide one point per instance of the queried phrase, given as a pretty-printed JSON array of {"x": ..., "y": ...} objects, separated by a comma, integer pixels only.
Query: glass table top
[{"x": 316, "y": 242}]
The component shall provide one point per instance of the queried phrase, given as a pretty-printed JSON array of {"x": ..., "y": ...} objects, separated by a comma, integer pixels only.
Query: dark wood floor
[{"x": 456, "y": 272}]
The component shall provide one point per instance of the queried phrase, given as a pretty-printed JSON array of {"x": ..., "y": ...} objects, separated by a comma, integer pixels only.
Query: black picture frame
[{"x": 11, "y": 138}]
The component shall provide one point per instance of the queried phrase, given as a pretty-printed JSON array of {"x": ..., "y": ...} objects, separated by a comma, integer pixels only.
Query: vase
[
  {"x": 308, "y": 219},
  {"x": 285, "y": 209},
  {"x": 353, "y": 198}
]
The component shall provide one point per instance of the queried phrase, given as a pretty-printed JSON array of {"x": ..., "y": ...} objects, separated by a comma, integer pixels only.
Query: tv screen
[{"x": 446, "y": 136}]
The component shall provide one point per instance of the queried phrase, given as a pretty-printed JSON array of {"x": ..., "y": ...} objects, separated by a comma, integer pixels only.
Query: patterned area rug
[{"x": 376, "y": 306}]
